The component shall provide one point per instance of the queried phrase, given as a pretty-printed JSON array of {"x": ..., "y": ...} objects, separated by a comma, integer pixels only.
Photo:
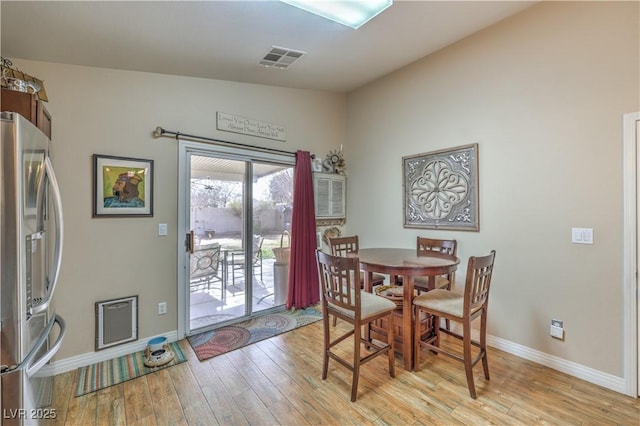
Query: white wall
[
  {"x": 104, "y": 111},
  {"x": 543, "y": 93}
]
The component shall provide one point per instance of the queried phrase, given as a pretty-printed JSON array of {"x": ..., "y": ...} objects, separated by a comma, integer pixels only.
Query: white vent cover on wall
[
  {"x": 116, "y": 322},
  {"x": 281, "y": 57}
]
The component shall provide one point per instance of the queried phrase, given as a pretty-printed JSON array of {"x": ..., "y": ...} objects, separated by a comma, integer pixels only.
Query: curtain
[{"x": 304, "y": 286}]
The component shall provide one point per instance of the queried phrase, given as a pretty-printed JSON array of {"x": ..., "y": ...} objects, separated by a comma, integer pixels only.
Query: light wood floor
[{"x": 277, "y": 381}]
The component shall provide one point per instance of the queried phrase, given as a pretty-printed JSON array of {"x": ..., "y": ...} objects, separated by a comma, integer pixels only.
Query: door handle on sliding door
[{"x": 189, "y": 242}]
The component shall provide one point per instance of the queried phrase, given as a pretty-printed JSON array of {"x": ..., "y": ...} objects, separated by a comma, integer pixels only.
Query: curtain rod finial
[{"x": 159, "y": 131}]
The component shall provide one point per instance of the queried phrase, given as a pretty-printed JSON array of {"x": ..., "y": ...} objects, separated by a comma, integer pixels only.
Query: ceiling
[{"x": 225, "y": 40}]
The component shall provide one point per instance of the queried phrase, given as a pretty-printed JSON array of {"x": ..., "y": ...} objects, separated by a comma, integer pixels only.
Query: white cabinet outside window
[{"x": 329, "y": 194}]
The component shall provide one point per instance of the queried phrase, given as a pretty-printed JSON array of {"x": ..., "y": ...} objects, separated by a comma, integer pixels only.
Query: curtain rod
[{"x": 160, "y": 132}]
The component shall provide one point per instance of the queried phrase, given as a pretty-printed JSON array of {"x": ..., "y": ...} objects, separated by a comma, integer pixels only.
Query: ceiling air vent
[{"x": 281, "y": 57}]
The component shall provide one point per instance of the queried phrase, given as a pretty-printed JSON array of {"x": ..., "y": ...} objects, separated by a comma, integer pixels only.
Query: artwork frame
[
  {"x": 440, "y": 189},
  {"x": 122, "y": 186}
]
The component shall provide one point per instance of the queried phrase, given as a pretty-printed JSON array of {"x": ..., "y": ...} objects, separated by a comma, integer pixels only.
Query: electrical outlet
[
  {"x": 556, "y": 332},
  {"x": 162, "y": 308}
]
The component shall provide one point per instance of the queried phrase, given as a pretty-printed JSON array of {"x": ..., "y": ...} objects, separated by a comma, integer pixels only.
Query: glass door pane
[
  {"x": 233, "y": 272},
  {"x": 217, "y": 188},
  {"x": 272, "y": 206}
]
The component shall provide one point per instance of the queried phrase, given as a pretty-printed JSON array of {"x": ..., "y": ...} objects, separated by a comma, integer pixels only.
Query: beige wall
[
  {"x": 543, "y": 93},
  {"x": 114, "y": 112}
]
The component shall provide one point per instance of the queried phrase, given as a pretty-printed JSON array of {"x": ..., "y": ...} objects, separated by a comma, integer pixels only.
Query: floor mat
[
  {"x": 108, "y": 373},
  {"x": 212, "y": 343}
]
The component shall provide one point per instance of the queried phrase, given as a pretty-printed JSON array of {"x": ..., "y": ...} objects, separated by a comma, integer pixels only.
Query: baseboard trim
[
  {"x": 596, "y": 377},
  {"x": 588, "y": 374},
  {"x": 74, "y": 362}
]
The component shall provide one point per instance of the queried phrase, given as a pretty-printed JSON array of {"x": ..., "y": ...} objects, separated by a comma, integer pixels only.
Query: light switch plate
[
  {"x": 582, "y": 235},
  {"x": 162, "y": 229}
]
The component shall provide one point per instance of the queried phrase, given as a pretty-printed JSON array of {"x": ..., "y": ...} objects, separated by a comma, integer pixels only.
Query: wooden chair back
[
  {"x": 337, "y": 277},
  {"x": 344, "y": 246},
  {"x": 426, "y": 246},
  {"x": 478, "y": 282}
]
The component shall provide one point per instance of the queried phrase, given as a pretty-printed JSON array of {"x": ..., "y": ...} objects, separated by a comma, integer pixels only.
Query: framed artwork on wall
[
  {"x": 440, "y": 189},
  {"x": 122, "y": 187}
]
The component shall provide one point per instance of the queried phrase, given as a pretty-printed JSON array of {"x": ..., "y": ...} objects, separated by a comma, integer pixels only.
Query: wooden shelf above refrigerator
[{"x": 29, "y": 106}]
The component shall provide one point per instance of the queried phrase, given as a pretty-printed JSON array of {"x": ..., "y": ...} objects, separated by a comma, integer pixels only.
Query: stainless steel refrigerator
[{"x": 31, "y": 232}]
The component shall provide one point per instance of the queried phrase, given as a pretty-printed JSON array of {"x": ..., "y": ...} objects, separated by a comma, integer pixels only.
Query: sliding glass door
[{"x": 237, "y": 209}]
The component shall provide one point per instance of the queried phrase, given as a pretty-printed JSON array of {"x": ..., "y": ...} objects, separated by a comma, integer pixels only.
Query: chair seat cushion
[
  {"x": 370, "y": 304},
  {"x": 440, "y": 300}
]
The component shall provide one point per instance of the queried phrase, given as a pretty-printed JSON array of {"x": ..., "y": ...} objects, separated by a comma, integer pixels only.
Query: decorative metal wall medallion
[{"x": 441, "y": 189}]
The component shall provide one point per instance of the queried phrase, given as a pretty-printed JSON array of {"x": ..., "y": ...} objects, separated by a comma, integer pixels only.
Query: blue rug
[{"x": 212, "y": 343}]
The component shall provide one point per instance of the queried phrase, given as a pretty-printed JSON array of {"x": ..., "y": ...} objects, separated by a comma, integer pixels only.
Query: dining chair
[
  {"x": 428, "y": 246},
  {"x": 463, "y": 308},
  {"x": 204, "y": 265},
  {"x": 343, "y": 298},
  {"x": 349, "y": 246}
]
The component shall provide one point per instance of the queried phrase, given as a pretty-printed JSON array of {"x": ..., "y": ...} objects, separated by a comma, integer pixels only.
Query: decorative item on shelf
[
  {"x": 316, "y": 165},
  {"x": 14, "y": 79},
  {"x": 334, "y": 163},
  {"x": 392, "y": 292},
  {"x": 331, "y": 232}
]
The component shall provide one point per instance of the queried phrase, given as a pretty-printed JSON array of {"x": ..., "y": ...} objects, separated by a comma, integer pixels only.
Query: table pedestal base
[{"x": 378, "y": 329}]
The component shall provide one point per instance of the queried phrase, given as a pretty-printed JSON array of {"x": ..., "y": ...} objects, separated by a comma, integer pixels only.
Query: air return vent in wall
[
  {"x": 281, "y": 57},
  {"x": 116, "y": 322}
]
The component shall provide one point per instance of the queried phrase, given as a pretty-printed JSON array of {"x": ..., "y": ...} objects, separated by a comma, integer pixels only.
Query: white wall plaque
[{"x": 248, "y": 126}]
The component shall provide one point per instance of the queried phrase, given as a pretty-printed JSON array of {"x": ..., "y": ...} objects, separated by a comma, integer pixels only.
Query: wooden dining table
[{"x": 407, "y": 263}]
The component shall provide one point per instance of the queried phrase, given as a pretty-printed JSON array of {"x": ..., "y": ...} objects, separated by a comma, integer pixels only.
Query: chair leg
[
  {"x": 447, "y": 324},
  {"x": 468, "y": 365},
  {"x": 327, "y": 340},
  {"x": 356, "y": 364},
  {"x": 483, "y": 344},
  {"x": 416, "y": 339},
  {"x": 436, "y": 331},
  {"x": 391, "y": 342}
]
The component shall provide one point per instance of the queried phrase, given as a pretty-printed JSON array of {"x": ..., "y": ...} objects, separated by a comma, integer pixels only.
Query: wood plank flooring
[{"x": 278, "y": 382}]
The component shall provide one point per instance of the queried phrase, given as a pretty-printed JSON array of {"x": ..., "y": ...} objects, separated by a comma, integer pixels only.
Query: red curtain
[{"x": 304, "y": 287}]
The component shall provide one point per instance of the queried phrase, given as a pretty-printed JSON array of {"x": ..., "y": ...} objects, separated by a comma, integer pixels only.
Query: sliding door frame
[{"x": 185, "y": 149}]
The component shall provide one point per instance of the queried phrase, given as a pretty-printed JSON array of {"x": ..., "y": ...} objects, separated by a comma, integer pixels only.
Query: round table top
[{"x": 406, "y": 261}]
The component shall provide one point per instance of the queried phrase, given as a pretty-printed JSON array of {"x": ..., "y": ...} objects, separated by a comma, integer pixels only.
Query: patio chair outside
[{"x": 204, "y": 266}]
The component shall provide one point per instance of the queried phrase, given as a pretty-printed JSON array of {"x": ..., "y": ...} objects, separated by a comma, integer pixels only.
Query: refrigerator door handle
[
  {"x": 30, "y": 364},
  {"x": 59, "y": 231}
]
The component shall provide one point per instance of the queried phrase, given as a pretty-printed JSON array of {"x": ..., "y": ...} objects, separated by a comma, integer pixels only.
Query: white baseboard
[
  {"x": 609, "y": 381},
  {"x": 588, "y": 374},
  {"x": 67, "y": 364}
]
